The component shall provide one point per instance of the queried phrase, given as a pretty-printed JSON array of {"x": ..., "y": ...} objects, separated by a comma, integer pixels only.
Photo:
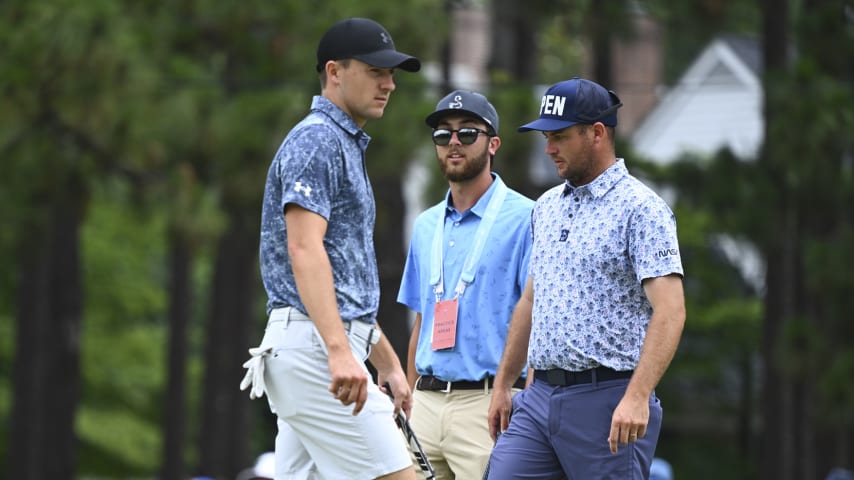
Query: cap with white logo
[
  {"x": 465, "y": 102},
  {"x": 575, "y": 101}
]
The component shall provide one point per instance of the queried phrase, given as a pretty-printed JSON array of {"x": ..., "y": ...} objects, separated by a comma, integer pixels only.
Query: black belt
[
  {"x": 433, "y": 384},
  {"x": 557, "y": 376}
]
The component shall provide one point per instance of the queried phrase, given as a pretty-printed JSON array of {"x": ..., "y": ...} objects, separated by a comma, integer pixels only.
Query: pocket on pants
[
  {"x": 295, "y": 335},
  {"x": 359, "y": 334}
]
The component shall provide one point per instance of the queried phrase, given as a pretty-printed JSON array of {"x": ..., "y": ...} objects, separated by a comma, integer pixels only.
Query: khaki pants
[{"x": 453, "y": 431}]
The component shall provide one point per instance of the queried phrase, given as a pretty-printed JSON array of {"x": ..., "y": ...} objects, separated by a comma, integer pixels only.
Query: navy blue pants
[{"x": 562, "y": 433}]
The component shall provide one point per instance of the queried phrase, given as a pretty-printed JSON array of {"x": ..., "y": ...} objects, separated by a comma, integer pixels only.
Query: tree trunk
[
  {"x": 779, "y": 419},
  {"x": 223, "y": 441},
  {"x": 174, "y": 410},
  {"x": 600, "y": 35},
  {"x": 512, "y": 57},
  {"x": 47, "y": 359},
  {"x": 514, "y": 41}
]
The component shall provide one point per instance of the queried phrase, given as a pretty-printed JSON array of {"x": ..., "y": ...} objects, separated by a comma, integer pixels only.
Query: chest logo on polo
[
  {"x": 305, "y": 189},
  {"x": 564, "y": 234}
]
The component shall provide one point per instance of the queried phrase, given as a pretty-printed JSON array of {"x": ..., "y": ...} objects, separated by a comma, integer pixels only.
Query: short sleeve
[{"x": 311, "y": 169}]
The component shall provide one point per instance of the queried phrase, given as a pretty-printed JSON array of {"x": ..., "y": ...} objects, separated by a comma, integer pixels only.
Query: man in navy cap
[
  {"x": 319, "y": 269},
  {"x": 602, "y": 312},
  {"x": 466, "y": 268}
]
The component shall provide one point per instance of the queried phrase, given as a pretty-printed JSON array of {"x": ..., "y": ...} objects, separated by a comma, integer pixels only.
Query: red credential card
[{"x": 444, "y": 324}]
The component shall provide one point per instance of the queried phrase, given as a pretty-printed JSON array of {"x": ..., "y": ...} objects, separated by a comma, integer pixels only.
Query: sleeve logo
[{"x": 305, "y": 189}]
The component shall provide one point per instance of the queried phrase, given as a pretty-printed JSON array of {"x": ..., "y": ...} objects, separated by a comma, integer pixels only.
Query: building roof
[{"x": 716, "y": 103}]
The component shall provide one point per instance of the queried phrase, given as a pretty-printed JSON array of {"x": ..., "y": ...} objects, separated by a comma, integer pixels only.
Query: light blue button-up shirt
[
  {"x": 487, "y": 304},
  {"x": 320, "y": 166},
  {"x": 593, "y": 246}
]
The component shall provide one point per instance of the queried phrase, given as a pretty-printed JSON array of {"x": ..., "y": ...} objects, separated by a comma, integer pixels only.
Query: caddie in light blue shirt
[
  {"x": 466, "y": 269},
  {"x": 486, "y": 305}
]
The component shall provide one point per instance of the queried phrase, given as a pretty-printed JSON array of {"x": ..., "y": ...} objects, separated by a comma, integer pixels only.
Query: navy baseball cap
[
  {"x": 364, "y": 40},
  {"x": 465, "y": 102},
  {"x": 575, "y": 101}
]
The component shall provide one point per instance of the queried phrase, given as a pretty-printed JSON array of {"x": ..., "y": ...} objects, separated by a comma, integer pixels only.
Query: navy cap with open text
[
  {"x": 575, "y": 101},
  {"x": 365, "y": 40}
]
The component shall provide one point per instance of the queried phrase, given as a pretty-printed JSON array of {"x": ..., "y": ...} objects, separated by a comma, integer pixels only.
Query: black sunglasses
[{"x": 466, "y": 136}]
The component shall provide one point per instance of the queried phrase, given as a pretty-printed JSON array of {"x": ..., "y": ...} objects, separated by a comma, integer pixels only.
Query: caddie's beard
[{"x": 470, "y": 168}]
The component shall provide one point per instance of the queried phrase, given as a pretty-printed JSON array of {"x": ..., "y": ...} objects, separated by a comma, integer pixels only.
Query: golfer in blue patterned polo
[
  {"x": 320, "y": 272},
  {"x": 602, "y": 313}
]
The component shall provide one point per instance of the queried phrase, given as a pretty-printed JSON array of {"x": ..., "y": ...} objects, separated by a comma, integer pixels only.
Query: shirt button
[
  {"x": 577, "y": 199},
  {"x": 570, "y": 215},
  {"x": 451, "y": 243},
  {"x": 456, "y": 224}
]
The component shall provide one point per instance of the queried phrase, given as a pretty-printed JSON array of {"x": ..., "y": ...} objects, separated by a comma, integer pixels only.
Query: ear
[
  {"x": 494, "y": 144},
  {"x": 600, "y": 133},
  {"x": 333, "y": 70}
]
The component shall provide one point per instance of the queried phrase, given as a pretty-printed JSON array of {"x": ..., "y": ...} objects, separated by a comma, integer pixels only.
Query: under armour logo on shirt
[{"x": 299, "y": 187}]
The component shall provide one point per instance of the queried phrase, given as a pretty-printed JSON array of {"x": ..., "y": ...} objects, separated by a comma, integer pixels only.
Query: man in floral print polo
[{"x": 602, "y": 312}]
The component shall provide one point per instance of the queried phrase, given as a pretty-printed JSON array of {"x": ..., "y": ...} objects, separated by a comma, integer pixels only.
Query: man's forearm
[
  {"x": 411, "y": 372},
  {"x": 516, "y": 348},
  {"x": 383, "y": 356}
]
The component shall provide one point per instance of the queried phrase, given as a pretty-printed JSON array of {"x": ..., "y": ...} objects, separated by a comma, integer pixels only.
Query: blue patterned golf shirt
[
  {"x": 593, "y": 246},
  {"x": 320, "y": 166},
  {"x": 487, "y": 304}
]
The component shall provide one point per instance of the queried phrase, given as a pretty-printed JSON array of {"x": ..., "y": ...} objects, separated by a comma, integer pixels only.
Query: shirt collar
[
  {"x": 479, "y": 208},
  {"x": 601, "y": 184},
  {"x": 324, "y": 105}
]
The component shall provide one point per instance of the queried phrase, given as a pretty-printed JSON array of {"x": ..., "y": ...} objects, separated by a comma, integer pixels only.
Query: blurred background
[{"x": 135, "y": 137}]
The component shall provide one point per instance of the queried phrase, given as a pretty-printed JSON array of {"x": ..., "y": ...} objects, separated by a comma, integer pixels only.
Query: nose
[
  {"x": 388, "y": 82},
  {"x": 550, "y": 147}
]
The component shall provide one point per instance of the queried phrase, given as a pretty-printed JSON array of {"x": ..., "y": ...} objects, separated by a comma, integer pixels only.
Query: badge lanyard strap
[{"x": 468, "y": 273}]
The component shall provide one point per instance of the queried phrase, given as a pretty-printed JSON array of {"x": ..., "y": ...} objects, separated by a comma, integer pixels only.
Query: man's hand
[
  {"x": 499, "y": 411},
  {"x": 400, "y": 393},
  {"x": 629, "y": 421},
  {"x": 349, "y": 380}
]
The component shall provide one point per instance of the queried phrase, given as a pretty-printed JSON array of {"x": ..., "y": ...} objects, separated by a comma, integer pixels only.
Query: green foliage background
[{"x": 168, "y": 113}]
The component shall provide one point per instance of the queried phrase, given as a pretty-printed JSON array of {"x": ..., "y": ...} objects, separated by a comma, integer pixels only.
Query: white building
[{"x": 716, "y": 103}]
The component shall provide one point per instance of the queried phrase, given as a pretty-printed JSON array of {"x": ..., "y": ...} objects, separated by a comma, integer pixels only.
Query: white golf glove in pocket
[{"x": 254, "y": 377}]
